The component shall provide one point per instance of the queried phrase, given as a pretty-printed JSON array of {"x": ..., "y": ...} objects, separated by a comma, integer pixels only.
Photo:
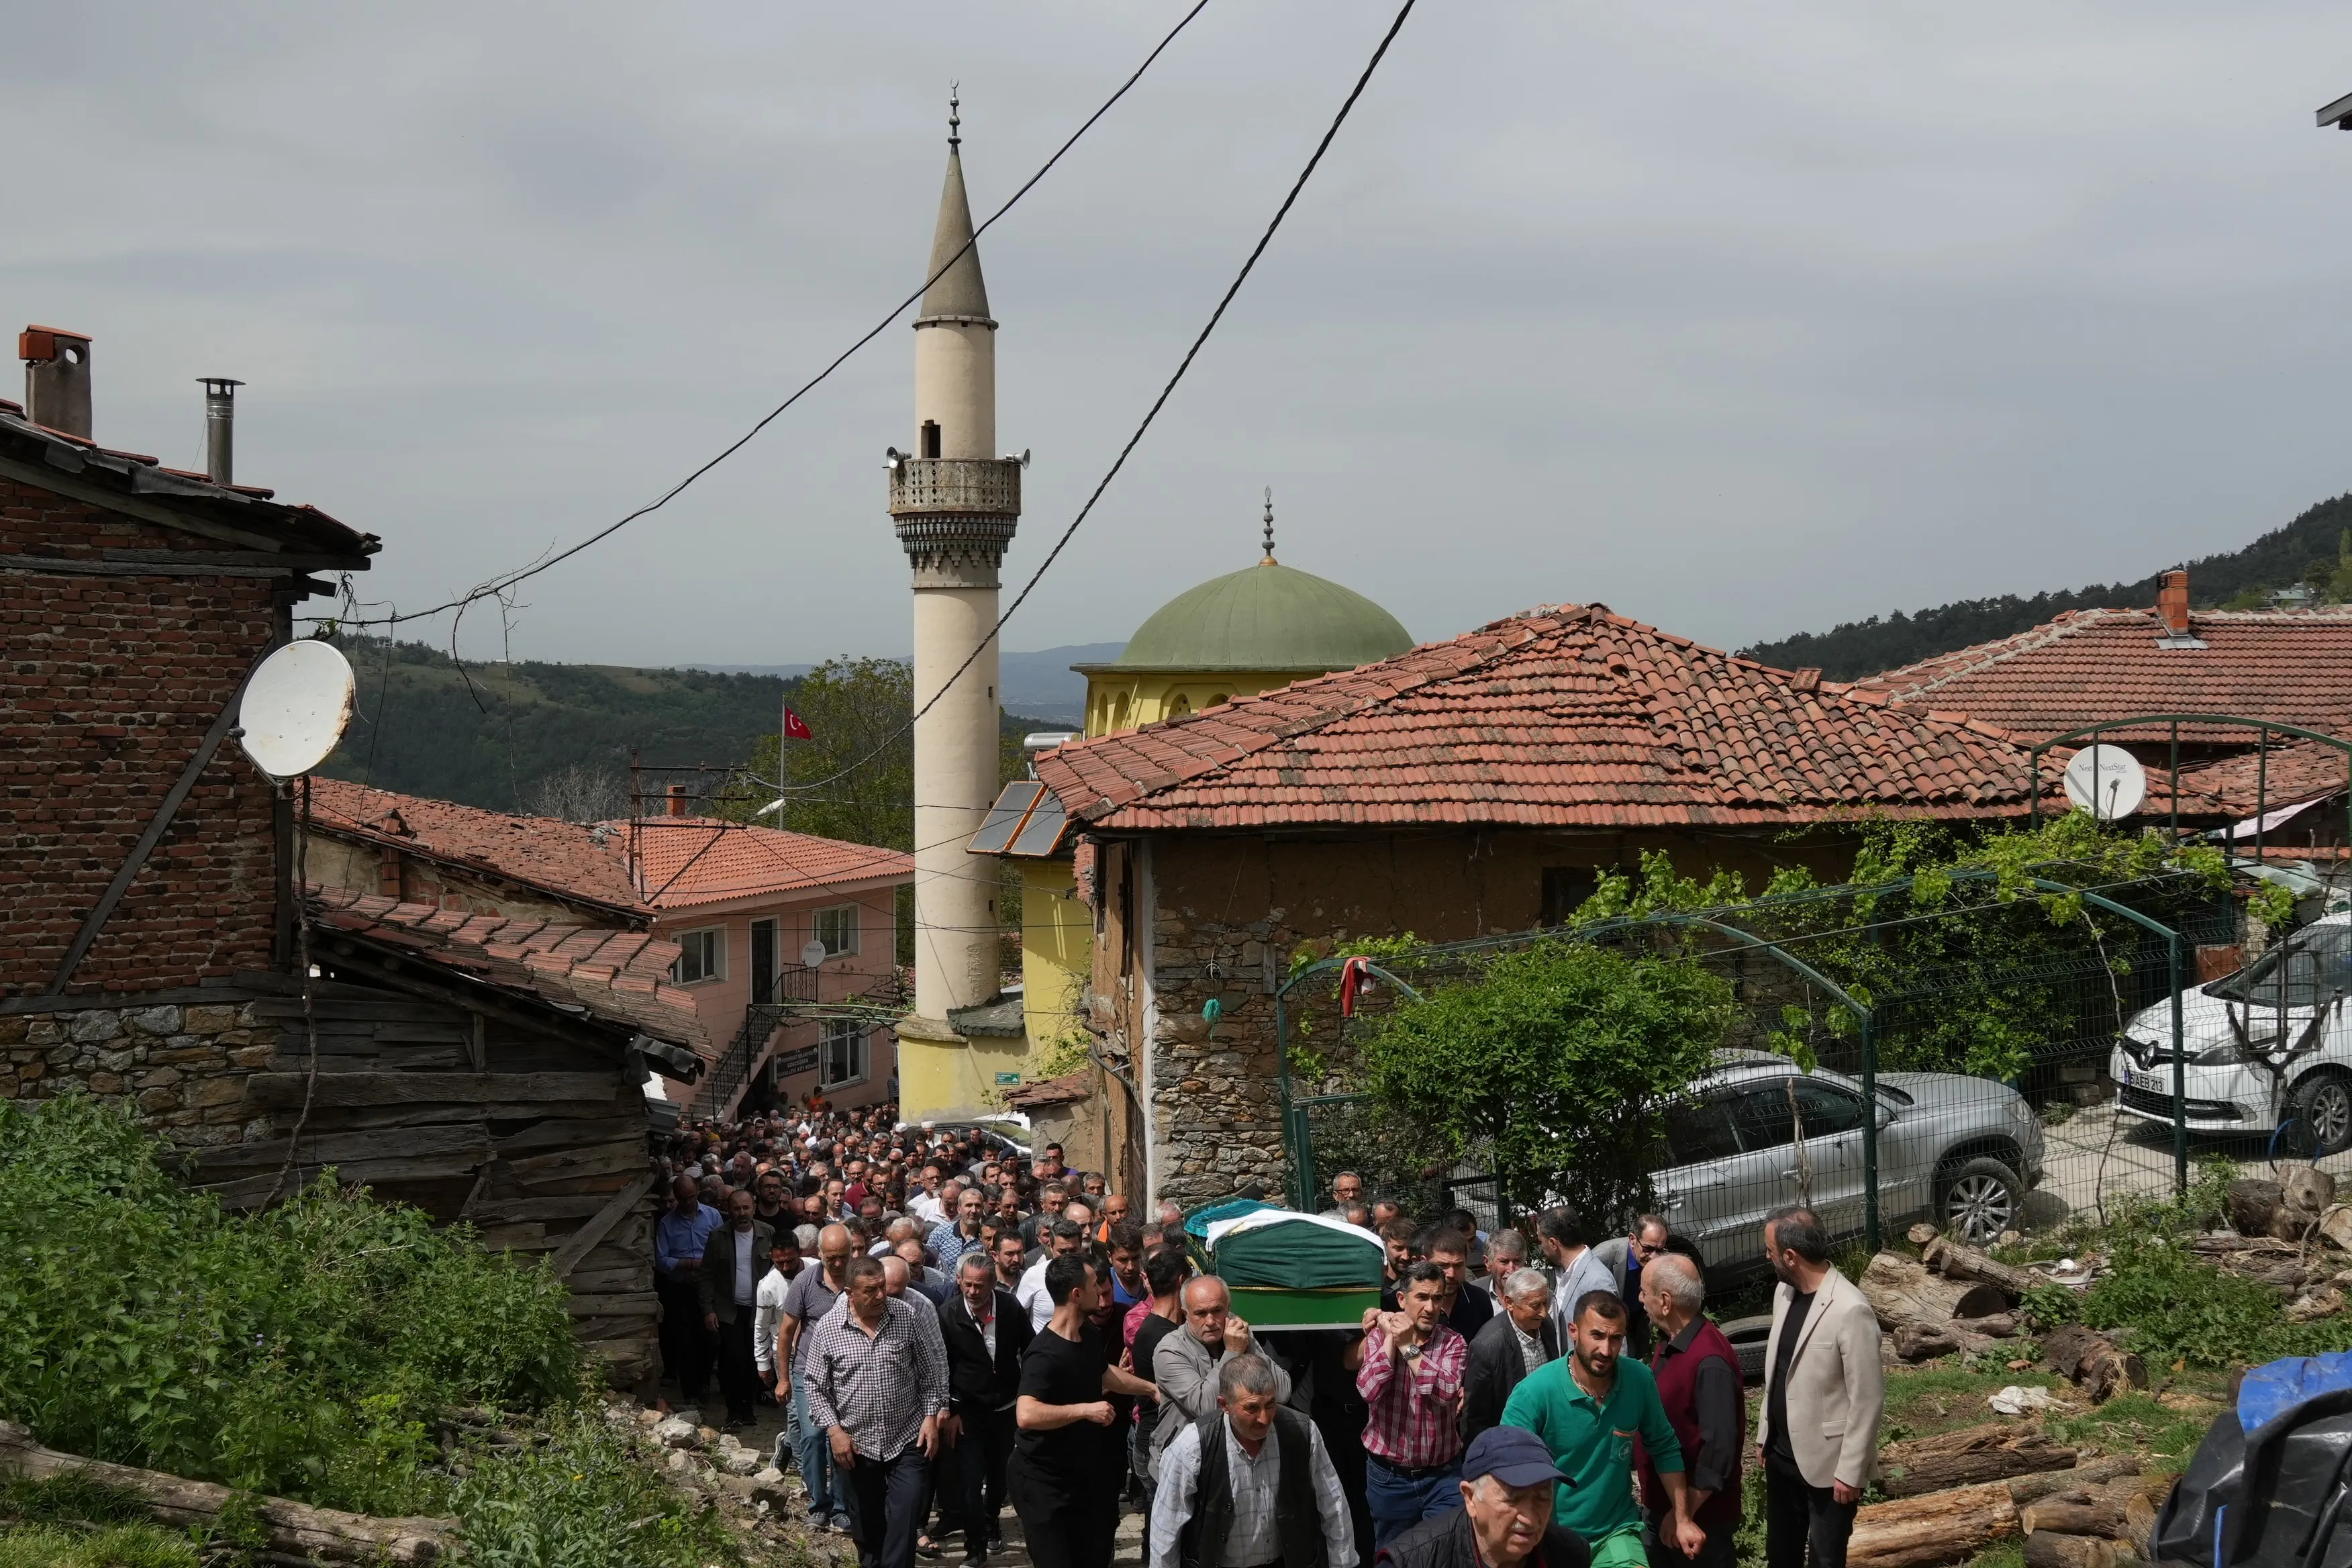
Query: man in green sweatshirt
[{"x": 1588, "y": 1407}]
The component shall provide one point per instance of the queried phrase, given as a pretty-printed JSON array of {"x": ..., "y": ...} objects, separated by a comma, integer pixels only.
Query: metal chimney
[
  {"x": 57, "y": 378},
  {"x": 220, "y": 427}
]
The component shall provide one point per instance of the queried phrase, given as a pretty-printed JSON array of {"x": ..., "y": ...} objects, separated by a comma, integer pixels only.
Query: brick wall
[{"x": 111, "y": 681}]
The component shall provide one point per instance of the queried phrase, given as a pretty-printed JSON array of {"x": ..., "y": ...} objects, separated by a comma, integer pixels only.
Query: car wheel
[
  {"x": 2322, "y": 1113},
  {"x": 1979, "y": 1200},
  {"x": 1749, "y": 1337}
]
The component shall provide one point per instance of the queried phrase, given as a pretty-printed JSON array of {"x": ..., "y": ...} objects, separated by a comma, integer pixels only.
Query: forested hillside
[{"x": 2305, "y": 550}]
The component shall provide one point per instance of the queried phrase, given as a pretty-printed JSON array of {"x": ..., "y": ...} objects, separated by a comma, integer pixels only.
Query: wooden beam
[
  {"x": 56, "y": 481},
  {"x": 583, "y": 1240},
  {"x": 387, "y": 1088}
]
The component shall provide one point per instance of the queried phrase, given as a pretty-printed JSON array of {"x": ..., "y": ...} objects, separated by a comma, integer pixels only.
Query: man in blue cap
[{"x": 1508, "y": 1481}]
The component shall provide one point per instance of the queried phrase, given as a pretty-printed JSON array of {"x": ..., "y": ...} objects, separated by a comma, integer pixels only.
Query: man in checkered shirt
[
  {"x": 1410, "y": 1379},
  {"x": 877, "y": 1378}
]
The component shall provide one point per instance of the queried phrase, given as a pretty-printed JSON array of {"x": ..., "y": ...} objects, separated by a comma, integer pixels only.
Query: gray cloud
[{"x": 1740, "y": 319}]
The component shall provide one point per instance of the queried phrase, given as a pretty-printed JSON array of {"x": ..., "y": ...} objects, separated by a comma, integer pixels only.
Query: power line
[
  {"x": 1158, "y": 402},
  {"x": 501, "y": 584}
]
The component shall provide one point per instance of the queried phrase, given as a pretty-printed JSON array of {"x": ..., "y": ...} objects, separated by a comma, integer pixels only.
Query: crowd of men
[{"x": 976, "y": 1330}]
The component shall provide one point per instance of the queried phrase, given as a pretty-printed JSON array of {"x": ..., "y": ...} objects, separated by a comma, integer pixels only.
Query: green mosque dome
[{"x": 1268, "y": 617}]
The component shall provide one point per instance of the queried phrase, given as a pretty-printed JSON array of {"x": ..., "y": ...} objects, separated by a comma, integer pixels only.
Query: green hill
[
  {"x": 2306, "y": 550},
  {"x": 534, "y": 736}
]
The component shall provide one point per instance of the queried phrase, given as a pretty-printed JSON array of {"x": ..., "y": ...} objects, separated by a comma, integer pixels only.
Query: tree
[
  {"x": 1555, "y": 1064},
  {"x": 854, "y": 778}
]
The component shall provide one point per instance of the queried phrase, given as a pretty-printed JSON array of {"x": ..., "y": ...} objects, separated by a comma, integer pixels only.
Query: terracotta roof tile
[
  {"x": 528, "y": 956},
  {"x": 2086, "y": 666},
  {"x": 690, "y": 860},
  {"x": 1563, "y": 716}
]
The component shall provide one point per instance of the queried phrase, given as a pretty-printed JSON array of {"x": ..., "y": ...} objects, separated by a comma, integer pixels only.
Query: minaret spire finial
[
  {"x": 955, "y": 103},
  {"x": 1269, "y": 560}
]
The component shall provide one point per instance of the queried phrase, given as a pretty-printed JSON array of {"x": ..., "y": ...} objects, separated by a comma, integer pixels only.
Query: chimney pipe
[
  {"x": 2172, "y": 604},
  {"x": 220, "y": 427},
  {"x": 57, "y": 378},
  {"x": 676, "y": 801}
]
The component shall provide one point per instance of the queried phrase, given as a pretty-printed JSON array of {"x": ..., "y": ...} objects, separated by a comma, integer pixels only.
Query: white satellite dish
[
  {"x": 2106, "y": 781},
  {"x": 811, "y": 954},
  {"x": 296, "y": 708}
]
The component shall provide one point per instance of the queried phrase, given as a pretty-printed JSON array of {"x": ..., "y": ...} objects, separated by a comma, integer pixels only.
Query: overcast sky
[{"x": 1741, "y": 319}]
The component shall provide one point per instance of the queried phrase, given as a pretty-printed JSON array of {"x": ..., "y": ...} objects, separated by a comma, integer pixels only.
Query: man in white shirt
[
  {"x": 784, "y": 1252},
  {"x": 1064, "y": 1236},
  {"x": 1223, "y": 1475},
  {"x": 927, "y": 1205}
]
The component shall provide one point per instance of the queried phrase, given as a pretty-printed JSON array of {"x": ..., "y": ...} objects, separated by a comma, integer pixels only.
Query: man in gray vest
[{"x": 1249, "y": 1486}]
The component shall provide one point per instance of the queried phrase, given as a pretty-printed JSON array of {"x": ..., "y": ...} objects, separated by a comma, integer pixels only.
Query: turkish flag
[{"x": 795, "y": 727}]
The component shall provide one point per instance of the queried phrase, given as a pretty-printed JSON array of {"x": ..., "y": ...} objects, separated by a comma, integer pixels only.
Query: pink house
[{"x": 749, "y": 908}]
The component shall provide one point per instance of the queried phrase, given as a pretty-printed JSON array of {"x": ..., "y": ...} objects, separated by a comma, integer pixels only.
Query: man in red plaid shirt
[{"x": 1412, "y": 1380}]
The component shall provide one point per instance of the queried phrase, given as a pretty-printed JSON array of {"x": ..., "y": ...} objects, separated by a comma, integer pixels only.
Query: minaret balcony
[{"x": 956, "y": 487}]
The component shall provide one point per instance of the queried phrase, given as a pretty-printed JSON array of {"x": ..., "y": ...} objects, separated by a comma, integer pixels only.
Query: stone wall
[{"x": 182, "y": 1065}]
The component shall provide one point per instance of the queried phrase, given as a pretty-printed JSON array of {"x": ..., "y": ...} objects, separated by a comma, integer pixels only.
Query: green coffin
[{"x": 1295, "y": 1271}]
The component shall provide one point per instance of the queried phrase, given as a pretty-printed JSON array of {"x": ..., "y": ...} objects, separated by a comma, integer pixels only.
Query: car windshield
[{"x": 2309, "y": 967}]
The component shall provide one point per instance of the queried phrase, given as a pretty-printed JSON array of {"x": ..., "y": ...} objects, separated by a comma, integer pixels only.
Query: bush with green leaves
[
  {"x": 301, "y": 1352},
  {"x": 580, "y": 1500},
  {"x": 1554, "y": 1063}
]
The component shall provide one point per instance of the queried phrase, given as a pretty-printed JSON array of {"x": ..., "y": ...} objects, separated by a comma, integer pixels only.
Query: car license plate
[{"x": 2154, "y": 1082}]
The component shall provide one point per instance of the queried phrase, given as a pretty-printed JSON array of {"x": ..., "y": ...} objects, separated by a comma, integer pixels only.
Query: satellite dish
[
  {"x": 2106, "y": 781},
  {"x": 295, "y": 708},
  {"x": 811, "y": 954}
]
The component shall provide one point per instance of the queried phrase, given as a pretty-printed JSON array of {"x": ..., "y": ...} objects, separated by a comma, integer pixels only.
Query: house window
[
  {"x": 1564, "y": 890},
  {"x": 837, "y": 930},
  {"x": 841, "y": 1053},
  {"x": 702, "y": 956}
]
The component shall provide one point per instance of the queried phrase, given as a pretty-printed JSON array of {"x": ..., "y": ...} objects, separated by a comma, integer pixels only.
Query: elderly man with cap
[
  {"x": 1249, "y": 1485},
  {"x": 1509, "y": 1484}
]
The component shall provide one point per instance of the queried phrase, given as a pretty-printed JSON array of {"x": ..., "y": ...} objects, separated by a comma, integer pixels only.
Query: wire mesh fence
[{"x": 1991, "y": 1063}]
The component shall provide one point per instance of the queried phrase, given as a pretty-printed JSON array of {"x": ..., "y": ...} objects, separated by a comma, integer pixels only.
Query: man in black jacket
[
  {"x": 1520, "y": 1339},
  {"x": 986, "y": 1332},
  {"x": 733, "y": 1261},
  {"x": 1508, "y": 1481}
]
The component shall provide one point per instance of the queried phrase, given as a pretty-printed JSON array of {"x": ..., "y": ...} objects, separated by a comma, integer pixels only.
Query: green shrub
[
  {"x": 300, "y": 1351},
  {"x": 2181, "y": 1310},
  {"x": 114, "y": 1546},
  {"x": 580, "y": 1502}
]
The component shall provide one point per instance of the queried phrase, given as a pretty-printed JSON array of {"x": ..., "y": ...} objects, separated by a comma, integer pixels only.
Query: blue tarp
[{"x": 2270, "y": 1391}]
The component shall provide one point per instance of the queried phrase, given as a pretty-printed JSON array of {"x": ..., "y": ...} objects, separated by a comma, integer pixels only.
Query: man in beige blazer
[{"x": 1825, "y": 1391}]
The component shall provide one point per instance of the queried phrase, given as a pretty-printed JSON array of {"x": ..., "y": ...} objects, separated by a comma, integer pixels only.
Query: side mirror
[{"x": 1885, "y": 1114}]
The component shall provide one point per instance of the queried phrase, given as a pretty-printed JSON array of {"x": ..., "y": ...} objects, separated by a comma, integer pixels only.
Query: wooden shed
[{"x": 485, "y": 1069}]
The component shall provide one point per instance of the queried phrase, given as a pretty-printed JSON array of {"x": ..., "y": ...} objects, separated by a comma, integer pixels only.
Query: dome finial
[
  {"x": 1269, "y": 560},
  {"x": 955, "y": 102}
]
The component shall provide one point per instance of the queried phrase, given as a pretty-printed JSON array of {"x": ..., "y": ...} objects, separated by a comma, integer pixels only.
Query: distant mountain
[
  {"x": 2305, "y": 550},
  {"x": 1039, "y": 684}
]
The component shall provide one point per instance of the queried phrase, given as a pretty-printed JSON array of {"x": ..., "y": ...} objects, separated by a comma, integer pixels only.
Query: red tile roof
[
  {"x": 1568, "y": 716},
  {"x": 2086, "y": 666},
  {"x": 2244, "y": 785},
  {"x": 689, "y": 861},
  {"x": 569, "y": 859},
  {"x": 619, "y": 975}
]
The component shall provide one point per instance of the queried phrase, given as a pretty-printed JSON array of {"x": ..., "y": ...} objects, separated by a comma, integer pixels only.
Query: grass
[{"x": 104, "y": 1546}]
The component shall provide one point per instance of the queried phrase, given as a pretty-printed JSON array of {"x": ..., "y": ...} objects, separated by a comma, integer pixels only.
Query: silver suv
[{"x": 1966, "y": 1150}]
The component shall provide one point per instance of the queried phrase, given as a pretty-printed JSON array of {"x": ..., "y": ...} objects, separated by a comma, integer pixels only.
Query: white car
[
  {"x": 2268, "y": 1050},
  {"x": 1966, "y": 1150}
]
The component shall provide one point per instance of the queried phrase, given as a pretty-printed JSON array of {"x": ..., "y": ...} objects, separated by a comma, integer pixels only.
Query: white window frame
[
  {"x": 852, "y": 919},
  {"x": 859, "y": 1039},
  {"x": 707, "y": 943}
]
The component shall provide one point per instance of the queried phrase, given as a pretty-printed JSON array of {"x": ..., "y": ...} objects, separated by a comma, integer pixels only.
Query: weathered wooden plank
[
  {"x": 389, "y": 1009},
  {"x": 412, "y": 1032},
  {"x": 596, "y": 1281},
  {"x": 595, "y": 1230},
  {"x": 471, "y": 1139},
  {"x": 277, "y": 1089},
  {"x": 616, "y": 1304},
  {"x": 353, "y": 1118},
  {"x": 499, "y": 1238},
  {"x": 487, "y": 1210},
  {"x": 565, "y": 1132},
  {"x": 249, "y": 1190},
  {"x": 548, "y": 1170}
]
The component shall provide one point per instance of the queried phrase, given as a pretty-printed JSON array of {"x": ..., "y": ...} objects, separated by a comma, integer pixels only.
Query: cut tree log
[
  {"x": 2303, "y": 1196},
  {"x": 1954, "y": 1260},
  {"x": 1968, "y": 1457},
  {"x": 2335, "y": 1226},
  {"x": 2252, "y": 1202},
  {"x": 2082, "y": 1478},
  {"x": 298, "y": 1532},
  {"x": 2092, "y": 1360},
  {"x": 1926, "y": 1341},
  {"x": 2073, "y": 1513},
  {"x": 2048, "y": 1549},
  {"x": 1902, "y": 1291},
  {"x": 1930, "y": 1530}
]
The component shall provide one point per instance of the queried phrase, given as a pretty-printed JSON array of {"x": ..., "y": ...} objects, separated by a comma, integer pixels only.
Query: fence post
[
  {"x": 2179, "y": 1071},
  {"x": 1302, "y": 1139},
  {"x": 1871, "y": 1229}
]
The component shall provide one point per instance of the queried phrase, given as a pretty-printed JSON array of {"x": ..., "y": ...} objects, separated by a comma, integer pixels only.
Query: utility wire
[
  {"x": 1158, "y": 402},
  {"x": 500, "y": 585}
]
